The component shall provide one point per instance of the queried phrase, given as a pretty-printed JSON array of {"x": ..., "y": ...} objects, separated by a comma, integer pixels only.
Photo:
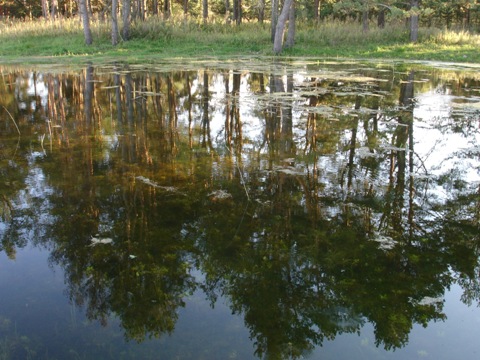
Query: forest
[{"x": 278, "y": 15}]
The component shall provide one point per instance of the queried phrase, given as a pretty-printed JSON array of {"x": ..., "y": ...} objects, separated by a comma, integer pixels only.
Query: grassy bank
[{"x": 62, "y": 41}]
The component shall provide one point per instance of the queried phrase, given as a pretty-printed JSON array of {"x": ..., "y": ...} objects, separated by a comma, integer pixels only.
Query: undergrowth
[{"x": 178, "y": 37}]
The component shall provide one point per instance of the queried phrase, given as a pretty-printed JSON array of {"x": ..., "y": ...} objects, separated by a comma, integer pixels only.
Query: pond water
[{"x": 240, "y": 210}]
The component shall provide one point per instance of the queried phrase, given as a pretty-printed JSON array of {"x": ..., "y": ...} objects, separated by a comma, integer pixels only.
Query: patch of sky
[{"x": 440, "y": 151}]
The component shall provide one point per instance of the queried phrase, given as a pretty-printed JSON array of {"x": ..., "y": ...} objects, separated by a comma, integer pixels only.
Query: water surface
[{"x": 240, "y": 210}]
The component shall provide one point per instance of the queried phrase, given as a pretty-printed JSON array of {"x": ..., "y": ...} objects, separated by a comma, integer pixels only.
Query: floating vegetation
[
  {"x": 155, "y": 185},
  {"x": 110, "y": 87},
  {"x": 466, "y": 108},
  {"x": 219, "y": 195},
  {"x": 384, "y": 242},
  {"x": 430, "y": 301},
  {"x": 423, "y": 176},
  {"x": 148, "y": 93},
  {"x": 364, "y": 152},
  {"x": 96, "y": 241},
  {"x": 322, "y": 110},
  {"x": 289, "y": 170},
  {"x": 388, "y": 147},
  {"x": 472, "y": 149}
]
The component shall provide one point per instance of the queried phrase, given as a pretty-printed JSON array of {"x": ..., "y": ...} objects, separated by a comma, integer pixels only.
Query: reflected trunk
[{"x": 206, "y": 139}]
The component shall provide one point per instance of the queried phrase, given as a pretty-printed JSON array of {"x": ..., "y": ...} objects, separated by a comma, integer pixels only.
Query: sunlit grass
[
  {"x": 177, "y": 37},
  {"x": 451, "y": 37}
]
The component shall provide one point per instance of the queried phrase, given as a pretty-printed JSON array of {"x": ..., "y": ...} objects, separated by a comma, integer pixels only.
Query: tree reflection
[{"x": 324, "y": 226}]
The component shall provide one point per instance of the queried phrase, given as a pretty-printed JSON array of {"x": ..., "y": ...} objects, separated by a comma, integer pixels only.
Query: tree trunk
[
  {"x": 141, "y": 9},
  {"x": 466, "y": 20},
  {"x": 133, "y": 10},
  {"x": 126, "y": 19},
  {"x": 365, "y": 20},
  {"x": 82, "y": 4},
  {"x": 185, "y": 9},
  {"x": 166, "y": 9},
  {"x": 205, "y": 11},
  {"x": 227, "y": 11},
  {"x": 261, "y": 11},
  {"x": 291, "y": 27},
  {"x": 280, "y": 28},
  {"x": 381, "y": 19},
  {"x": 89, "y": 7},
  {"x": 274, "y": 18},
  {"x": 53, "y": 11},
  {"x": 414, "y": 21},
  {"x": 316, "y": 10},
  {"x": 237, "y": 11},
  {"x": 45, "y": 9},
  {"x": 114, "y": 22}
]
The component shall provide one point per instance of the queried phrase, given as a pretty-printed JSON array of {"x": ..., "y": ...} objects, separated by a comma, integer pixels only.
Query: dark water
[{"x": 240, "y": 211}]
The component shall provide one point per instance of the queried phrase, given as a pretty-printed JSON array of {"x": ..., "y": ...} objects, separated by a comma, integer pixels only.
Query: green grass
[{"x": 62, "y": 42}]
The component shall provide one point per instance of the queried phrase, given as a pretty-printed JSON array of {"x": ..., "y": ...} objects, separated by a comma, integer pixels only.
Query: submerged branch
[{"x": 11, "y": 117}]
